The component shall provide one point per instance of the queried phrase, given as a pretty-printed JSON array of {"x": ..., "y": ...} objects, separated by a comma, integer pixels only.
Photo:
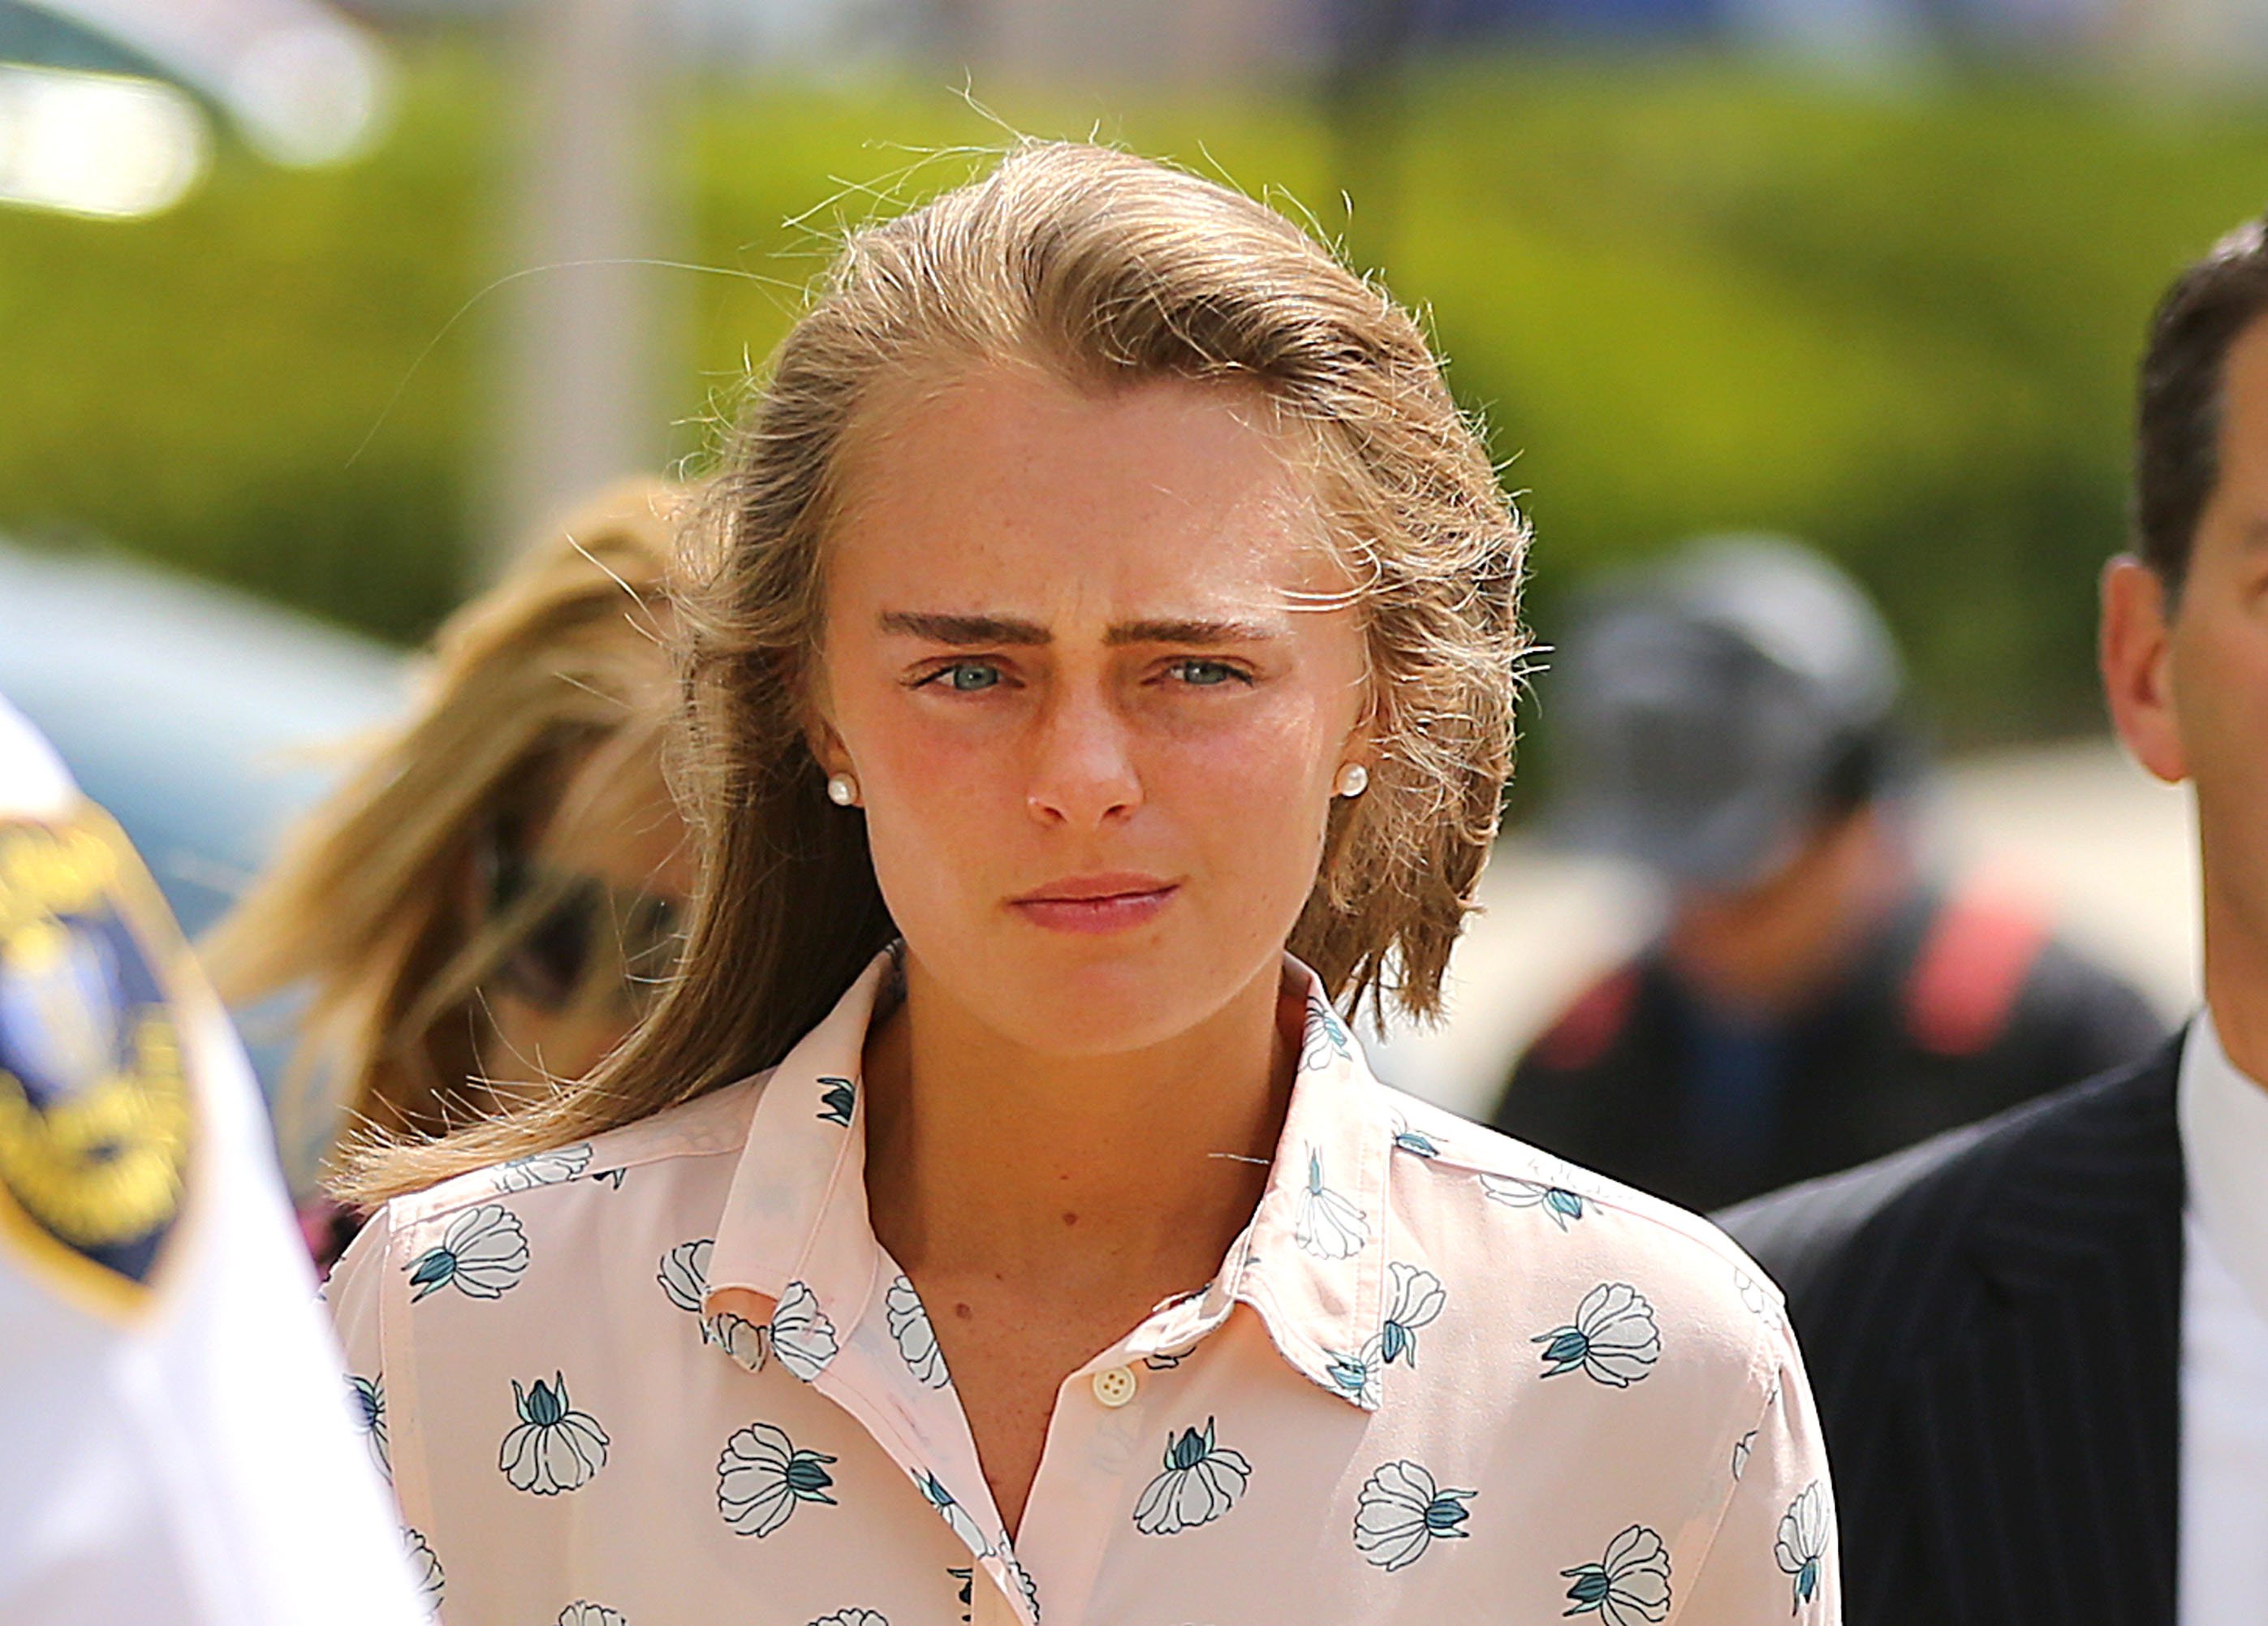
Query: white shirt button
[{"x": 1115, "y": 1385}]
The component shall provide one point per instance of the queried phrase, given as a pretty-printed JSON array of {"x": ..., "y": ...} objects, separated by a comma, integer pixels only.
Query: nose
[{"x": 1082, "y": 765}]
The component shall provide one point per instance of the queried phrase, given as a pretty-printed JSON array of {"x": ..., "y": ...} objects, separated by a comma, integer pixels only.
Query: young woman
[
  {"x": 491, "y": 897},
  {"x": 1104, "y": 677}
]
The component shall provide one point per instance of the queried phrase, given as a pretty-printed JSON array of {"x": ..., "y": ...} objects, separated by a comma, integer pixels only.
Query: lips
[{"x": 1096, "y": 903}]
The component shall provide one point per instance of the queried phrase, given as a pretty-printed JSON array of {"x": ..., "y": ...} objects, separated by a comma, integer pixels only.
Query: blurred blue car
[{"x": 205, "y": 720}]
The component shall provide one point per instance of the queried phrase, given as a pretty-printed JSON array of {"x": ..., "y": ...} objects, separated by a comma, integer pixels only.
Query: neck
[
  {"x": 985, "y": 1156},
  {"x": 2236, "y": 983}
]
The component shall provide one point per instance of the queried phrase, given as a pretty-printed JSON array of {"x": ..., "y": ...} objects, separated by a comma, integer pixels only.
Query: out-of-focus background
[{"x": 310, "y": 309}]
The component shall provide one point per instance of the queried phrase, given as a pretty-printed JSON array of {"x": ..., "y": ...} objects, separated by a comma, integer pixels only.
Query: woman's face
[
  {"x": 612, "y": 861},
  {"x": 1095, "y": 676}
]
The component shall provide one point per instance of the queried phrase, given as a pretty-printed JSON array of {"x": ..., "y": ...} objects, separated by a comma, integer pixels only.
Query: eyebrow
[{"x": 1004, "y": 630}]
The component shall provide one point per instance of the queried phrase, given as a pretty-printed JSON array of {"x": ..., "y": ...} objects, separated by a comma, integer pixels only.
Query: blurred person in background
[
  {"x": 174, "y": 1442},
  {"x": 489, "y": 900},
  {"x": 1819, "y": 996},
  {"x": 2042, "y": 1343}
]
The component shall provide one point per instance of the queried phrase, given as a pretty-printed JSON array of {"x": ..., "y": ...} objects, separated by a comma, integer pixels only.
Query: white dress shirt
[{"x": 2224, "y": 1505}]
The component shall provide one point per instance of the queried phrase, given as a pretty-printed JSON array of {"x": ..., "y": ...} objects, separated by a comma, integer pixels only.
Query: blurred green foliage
[{"x": 1687, "y": 294}]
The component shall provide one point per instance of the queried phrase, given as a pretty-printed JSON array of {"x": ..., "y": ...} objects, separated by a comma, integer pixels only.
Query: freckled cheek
[
  {"x": 1276, "y": 760},
  {"x": 934, "y": 768},
  {"x": 948, "y": 825},
  {"x": 939, "y": 809},
  {"x": 1251, "y": 800}
]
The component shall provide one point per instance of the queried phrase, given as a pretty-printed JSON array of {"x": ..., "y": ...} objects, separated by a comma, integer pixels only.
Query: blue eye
[
  {"x": 969, "y": 677},
  {"x": 1202, "y": 673}
]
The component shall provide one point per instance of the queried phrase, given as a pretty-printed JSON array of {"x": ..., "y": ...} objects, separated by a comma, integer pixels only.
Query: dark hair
[{"x": 2177, "y": 420}]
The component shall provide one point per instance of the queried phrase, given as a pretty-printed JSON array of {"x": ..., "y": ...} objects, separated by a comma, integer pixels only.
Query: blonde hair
[
  {"x": 1105, "y": 270},
  {"x": 366, "y": 905}
]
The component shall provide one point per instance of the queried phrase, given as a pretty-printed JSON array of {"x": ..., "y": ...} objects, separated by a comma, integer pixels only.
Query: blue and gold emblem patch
[{"x": 96, "y": 1117}]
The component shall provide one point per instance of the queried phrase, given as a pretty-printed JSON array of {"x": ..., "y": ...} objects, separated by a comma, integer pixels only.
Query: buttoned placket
[
  {"x": 923, "y": 1429},
  {"x": 1101, "y": 1426}
]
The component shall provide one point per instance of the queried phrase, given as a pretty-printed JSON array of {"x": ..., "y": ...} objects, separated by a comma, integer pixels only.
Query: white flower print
[
  {"x": 1629, "y": 1585},
  {"x": 1559, "y": 1204},
  {"x": 802, "y": 1336},
  {"x": 762, "y": 1478},
  {"x": 1807, "y": 1531},
  {"x": 543, "y": 1168},
  {"x": 956, "y": 1516},
  {"x": 1329, "y": 1226},
  {"x": 1742, "y": 1448},
  {"x": 909, "y": 1321},
  {"x": 425, "y": 1570},
  {"x": 1326, "y": 1041},
  {"x": 1761, "y": 1301},
  {"x": 746, "y": 1342},
  {"x": 684, "y": 1275},
  {"x": 1613, "y": 1338},
  {"x": 591, "y": 1614},
  {"x": 1402, "y": 1513},
  {"x": 1201, "y": 1482},
  {"x": 367, "y": 1399},
  {"x": 482, "y": 1254},
  {"x": 851, "y": 1617},
  {"x": 553, "y": 1447},
  {"x": 1415, "y": 1297}
]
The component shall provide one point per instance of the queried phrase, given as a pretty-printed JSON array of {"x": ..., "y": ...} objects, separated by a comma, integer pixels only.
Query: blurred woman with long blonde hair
[{"x": 489, "y": 900}]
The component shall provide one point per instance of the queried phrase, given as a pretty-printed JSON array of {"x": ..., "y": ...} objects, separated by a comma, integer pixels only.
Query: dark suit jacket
[{"x": 1991, "y": 1321}]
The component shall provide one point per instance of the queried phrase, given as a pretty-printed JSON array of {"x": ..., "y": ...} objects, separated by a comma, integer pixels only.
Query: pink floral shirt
[{"x": 669, "y": 1377}]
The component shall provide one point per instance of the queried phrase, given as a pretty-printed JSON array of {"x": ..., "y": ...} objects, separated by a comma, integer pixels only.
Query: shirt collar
[
  {"x": 2224, "y": 1131},
  {"x": 1312, "y": 1262},
  {"x": 796, "y": 1212}
]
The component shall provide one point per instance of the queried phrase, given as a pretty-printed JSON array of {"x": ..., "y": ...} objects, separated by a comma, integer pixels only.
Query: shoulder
[
  {"x": 1563, "y": 1232},
  {"x": 672, "y": 1146},
  {"x": 1896, "y": 1218},
  {"x": 475, "y": 1233},
  {"x": 2071, "y": 987},
  {"x": 612, "y": 1205},
  {"x": 1988, "y": 970}
]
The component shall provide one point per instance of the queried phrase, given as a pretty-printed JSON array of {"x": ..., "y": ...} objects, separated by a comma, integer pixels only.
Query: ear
[
  {"x": 1361, "y": 742},
  {"x": 826, "y": 746},
  {"x": 820, "y": 735},
  {"x": 2135, "y": 653}
]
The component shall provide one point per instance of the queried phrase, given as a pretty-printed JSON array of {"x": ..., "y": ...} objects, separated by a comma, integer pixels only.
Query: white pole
[{"x": 580, "y": 400}]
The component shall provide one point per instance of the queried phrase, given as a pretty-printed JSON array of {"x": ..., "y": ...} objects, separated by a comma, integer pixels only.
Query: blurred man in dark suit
[
  {"x": 1730, "y": 722},
  {"x": 2041, "y": 1345}
]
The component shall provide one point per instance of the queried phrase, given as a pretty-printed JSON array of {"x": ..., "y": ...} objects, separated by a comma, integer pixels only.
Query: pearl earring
[
  {"x": 1354, "y": 779},
  {"x": 842, "y": 789}
]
